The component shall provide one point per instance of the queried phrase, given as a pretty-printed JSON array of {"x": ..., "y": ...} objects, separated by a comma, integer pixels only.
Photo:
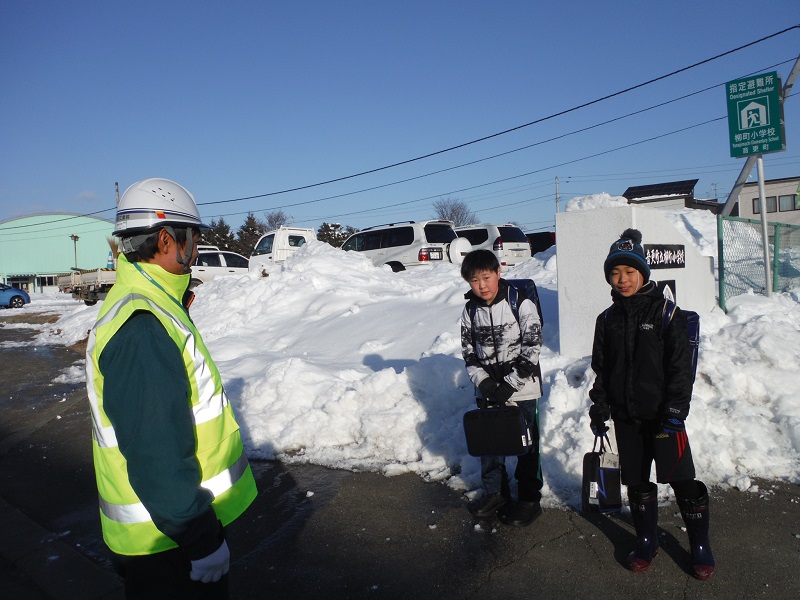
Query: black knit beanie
[{"x": 627, "y": 250}]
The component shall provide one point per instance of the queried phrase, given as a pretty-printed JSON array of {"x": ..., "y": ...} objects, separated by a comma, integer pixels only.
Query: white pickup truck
[
  {"x": 275, "y": 246},
  {"x": 88, "y": 285}
]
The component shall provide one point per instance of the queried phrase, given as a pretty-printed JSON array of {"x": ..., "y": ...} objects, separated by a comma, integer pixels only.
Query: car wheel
[
  {"x": 194, "y": 283},
  {"x": 397, "y": 267},
  {"x": 90, "y": 302},
  {"x": 17, "y": 302},
  {"x": 458, "y": 249}
]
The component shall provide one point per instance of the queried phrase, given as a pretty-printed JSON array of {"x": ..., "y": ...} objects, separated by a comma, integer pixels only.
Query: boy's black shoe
[
  {"x": 521, "y": 513},
  {"x": 489, "y": 505}
]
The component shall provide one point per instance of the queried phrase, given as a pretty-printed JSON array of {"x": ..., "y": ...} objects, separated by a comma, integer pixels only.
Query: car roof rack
[{"x": 386, "y": 225}]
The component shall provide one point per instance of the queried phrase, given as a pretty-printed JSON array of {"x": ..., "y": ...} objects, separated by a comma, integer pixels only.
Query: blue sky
[{"x": 243, "y": 99}]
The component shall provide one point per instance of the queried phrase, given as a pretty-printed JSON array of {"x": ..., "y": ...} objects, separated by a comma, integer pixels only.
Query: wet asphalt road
[{"x": 320, "y": 533}]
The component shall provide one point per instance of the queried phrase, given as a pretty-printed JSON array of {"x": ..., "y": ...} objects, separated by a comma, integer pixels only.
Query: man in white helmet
[{"x": 170, "y": 465}]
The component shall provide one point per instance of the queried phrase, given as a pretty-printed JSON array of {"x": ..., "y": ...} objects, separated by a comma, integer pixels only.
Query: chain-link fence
[{"x": 741, "y": 257}]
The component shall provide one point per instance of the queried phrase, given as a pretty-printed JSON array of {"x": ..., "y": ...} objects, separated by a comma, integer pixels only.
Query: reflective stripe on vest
[{"x": 137, "y": 513}]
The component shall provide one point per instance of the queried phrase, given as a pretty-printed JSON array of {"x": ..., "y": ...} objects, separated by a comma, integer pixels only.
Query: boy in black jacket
[
  {"x": 500, "y": 352},
  {"x": 644, "y": 384}
]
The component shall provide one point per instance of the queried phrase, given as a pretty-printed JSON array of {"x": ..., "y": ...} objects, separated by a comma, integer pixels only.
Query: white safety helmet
[{"x": 152, "y": 203}]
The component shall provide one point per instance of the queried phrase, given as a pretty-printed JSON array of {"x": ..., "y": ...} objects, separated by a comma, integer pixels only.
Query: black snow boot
[
  {"x": 696, "y": 516},
  {"x": 644, "y": 512},
  {"x": 521, "y": 513},
  {"x": 489, "y": 505}
]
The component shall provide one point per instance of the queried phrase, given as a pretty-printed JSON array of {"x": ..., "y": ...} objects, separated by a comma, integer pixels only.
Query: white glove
[{"x": 212, "y": 567}]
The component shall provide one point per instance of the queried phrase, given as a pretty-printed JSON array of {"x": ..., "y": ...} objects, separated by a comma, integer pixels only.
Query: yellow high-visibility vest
[{"x": 127, "y": 526}]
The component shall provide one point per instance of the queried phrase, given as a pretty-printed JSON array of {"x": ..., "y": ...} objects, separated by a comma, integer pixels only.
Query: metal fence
[{"x": 741, "y": 257}]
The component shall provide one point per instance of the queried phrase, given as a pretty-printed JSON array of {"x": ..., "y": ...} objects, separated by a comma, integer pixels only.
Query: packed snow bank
[{"x": 333, "y": 361}]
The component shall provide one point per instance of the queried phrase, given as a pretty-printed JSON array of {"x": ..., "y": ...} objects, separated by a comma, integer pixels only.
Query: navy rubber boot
[
  {"x": 644, "y": 512},
  {"x": 696, "y": 516}
]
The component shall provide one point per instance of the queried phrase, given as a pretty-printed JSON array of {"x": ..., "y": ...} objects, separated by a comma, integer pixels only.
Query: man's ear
[{"x": 164, "y": 239}]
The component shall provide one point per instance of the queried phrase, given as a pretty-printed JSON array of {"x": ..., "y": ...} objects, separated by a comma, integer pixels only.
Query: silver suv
[
  {"x": 508, "y": 243},
  {"x": 409, "y": 244}
]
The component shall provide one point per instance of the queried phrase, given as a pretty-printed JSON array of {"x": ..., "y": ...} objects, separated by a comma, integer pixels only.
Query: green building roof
[{"x": 44, "y": 244}]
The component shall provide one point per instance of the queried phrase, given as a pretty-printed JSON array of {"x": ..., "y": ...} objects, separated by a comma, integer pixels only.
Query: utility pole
[
  {"x": 75, "y": 239},
  {"x": 556, "y": 193},
  {"x": 762, "y": 204}
]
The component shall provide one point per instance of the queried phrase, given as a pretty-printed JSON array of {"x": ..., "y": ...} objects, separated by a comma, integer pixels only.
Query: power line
[
  {"x": 517, "y": 128},
  {"x": 475, "y": 141},
  {"x": 568, "y": 162},
  {"x": 5, "y": 230},
  {"x": 539, "y": 143}
]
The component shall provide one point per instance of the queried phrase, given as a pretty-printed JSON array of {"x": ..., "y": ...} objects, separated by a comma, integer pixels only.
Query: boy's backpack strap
[
  {"x": 513, "y": 300},
  {"x": 472, "y": 308},
  {"x": 667, "y": 313}
]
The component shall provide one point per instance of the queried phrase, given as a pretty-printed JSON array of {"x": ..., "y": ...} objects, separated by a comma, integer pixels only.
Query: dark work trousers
[
  {"x": 165, "y": 576},
  {"x": 529, "y": 466}
]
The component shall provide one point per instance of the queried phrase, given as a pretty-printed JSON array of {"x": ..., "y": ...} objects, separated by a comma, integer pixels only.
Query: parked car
[
  {"x": 212, "y": 263},
  {"x": 409, "y": 244},
  {"x": 13, "y": 297},
  {"x": 274, "y": 247},
  {"x": 507, "y": 242},
  {"x": 541, "y": 241}
]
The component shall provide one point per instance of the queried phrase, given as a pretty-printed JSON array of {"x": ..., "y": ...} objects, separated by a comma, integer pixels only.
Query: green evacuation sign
[{"x": 755, "y": 119}]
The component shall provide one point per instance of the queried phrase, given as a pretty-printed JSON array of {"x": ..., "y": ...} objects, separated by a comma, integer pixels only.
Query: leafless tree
[
  {"x": 275, "y": 219},
  {"x": 454, "y": 210}
]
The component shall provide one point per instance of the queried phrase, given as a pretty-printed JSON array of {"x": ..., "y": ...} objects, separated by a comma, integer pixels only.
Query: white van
[
  {"x": 276, "y": 246},
  {"x": 508, "y": 243}
]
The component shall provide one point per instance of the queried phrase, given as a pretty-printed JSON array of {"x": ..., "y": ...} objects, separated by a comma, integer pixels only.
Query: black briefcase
[
  {"x": 497, "y": 431},
  {"x": 601, "y": 491}
]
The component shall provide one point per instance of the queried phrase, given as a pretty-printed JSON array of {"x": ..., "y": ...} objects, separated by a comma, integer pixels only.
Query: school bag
[
  {"x": 601, "y": 485},
  {"x": 692, "y": 327},
  {"x": 524, "y": 288},
  {"x": 497, "y": 431}
]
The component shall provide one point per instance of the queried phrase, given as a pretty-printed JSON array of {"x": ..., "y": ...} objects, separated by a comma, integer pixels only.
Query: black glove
[
  {"x": 599, "y": 427},
  {"x": 598, "y": 418},
  {"x": 488, "y": 387},
  {"x": 599, "y": 414},
  {"x": 504, "y": 391},
  {"x": 524, "y": 367},
  {"x": 672, "y": 425}
]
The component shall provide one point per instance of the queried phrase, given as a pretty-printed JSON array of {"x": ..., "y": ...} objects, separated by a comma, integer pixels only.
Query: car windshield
[
  {"x": 512, "y": 234},
  {"x": 439, "y": 233},
  {"x": 264, "y": 246}
]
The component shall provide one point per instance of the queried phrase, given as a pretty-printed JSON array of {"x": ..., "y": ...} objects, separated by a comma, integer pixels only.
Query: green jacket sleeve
[{"x": 146, "y": 397}]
